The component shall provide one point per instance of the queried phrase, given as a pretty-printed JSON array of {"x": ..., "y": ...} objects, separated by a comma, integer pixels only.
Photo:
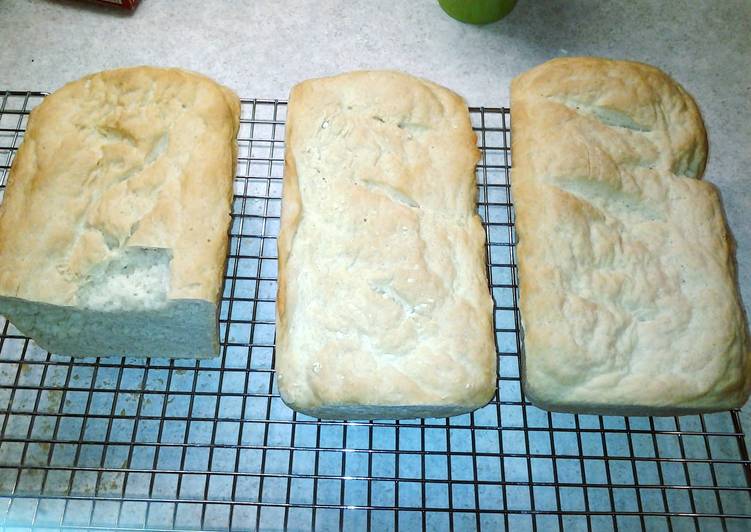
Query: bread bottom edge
[
  {"x": 184, "y": 328},
  {"x": 355, "y": 412},
  {"x": 609, "y": 409}
]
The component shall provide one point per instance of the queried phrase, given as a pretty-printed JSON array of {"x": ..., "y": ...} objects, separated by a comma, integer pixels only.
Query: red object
[{"x": 124, "y": 4}]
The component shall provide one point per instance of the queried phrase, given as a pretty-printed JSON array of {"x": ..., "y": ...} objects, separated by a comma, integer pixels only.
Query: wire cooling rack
[{"x": 163, "y": 444}]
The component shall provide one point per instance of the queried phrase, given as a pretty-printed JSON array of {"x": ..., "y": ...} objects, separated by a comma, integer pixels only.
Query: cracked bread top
[
  {"x": 383, "y": 306},
  {"x": 628, "y": 290},
  {"x": 130, "y": 158}
]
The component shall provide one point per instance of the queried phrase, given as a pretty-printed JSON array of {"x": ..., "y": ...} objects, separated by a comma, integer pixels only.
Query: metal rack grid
[{"x": 165, "y": 444}]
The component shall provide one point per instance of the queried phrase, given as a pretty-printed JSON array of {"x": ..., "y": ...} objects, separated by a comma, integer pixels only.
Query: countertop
[{"x": 261, "y": 48}]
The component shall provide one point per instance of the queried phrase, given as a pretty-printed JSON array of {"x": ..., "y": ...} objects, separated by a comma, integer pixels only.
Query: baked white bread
[
  {"x": 114, "y": 225},
  {"x": 383, "y": 307},
  {"x": 628, "y": 290}
]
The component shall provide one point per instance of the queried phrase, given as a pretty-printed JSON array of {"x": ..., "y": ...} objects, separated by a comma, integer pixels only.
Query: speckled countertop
[{"x": 262, "y": 48}]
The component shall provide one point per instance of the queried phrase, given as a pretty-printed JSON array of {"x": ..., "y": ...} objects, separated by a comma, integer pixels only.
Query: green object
[{"x": 477, "y": 11}]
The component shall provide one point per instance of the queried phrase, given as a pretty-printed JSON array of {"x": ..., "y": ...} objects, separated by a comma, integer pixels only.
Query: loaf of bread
[
  {"x": 628, "y": 290},
  {"x": 383, "y": 307},
  {"x": 114, "y": 225}
]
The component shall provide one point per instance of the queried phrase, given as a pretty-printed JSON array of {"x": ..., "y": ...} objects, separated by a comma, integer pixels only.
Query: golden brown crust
[
  {"x": 134, "y": 157},
  {"x": 627, "y": 284},
  {"x": 114, "y": 227},
  {"x": 383, "y": 307}
]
